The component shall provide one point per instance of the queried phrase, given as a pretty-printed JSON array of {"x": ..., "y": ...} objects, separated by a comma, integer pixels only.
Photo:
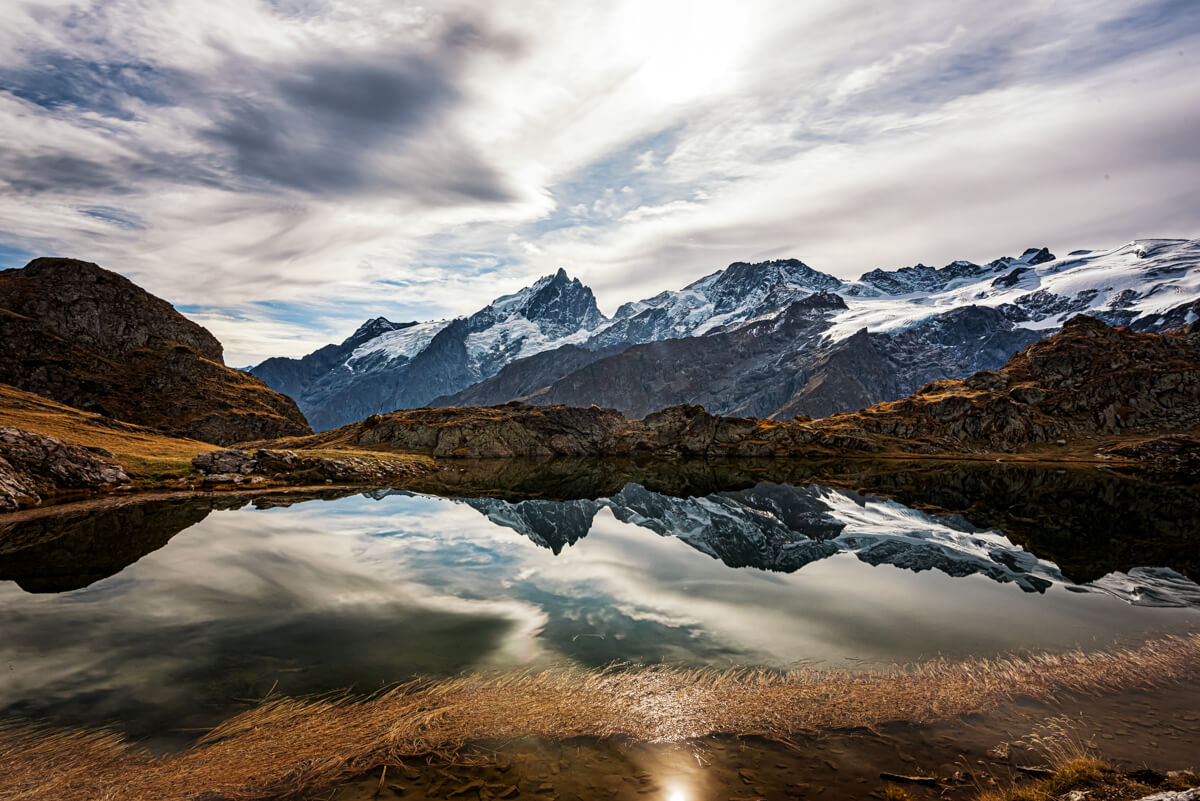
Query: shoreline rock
[{"x": 35, "y": 466}]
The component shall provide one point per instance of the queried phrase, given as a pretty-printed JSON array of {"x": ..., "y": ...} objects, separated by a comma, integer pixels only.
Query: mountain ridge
[{"x": 967, "y": 317}]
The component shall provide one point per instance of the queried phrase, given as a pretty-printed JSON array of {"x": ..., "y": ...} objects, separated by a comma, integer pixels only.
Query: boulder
[{"x": 226, "y": 461}]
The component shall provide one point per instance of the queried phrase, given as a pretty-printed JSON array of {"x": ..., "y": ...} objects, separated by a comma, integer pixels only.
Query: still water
[{"x": 167, "y": 616}]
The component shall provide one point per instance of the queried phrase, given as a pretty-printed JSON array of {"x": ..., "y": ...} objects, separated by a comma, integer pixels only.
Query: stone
[
  {"x": 1182, "y": 795},
  {"x": 1027, "y": 394},
  {"x": 272, "y": 461},
  {"x": 227, "y": 461},
  {"x": 217, "y": 479}
]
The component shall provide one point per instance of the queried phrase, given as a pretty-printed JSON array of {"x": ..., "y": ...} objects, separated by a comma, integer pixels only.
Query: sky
[{"x": 282, "y": 171}]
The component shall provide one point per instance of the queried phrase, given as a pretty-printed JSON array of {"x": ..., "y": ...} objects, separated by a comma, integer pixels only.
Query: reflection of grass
[{"x": 288, "y": 746}]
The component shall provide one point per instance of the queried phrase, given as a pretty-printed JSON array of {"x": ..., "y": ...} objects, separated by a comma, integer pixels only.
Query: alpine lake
[{"x": 158, "y": 617}]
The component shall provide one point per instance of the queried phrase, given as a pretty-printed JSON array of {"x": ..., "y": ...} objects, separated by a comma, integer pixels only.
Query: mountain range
[{"x": 774, "y": 339}]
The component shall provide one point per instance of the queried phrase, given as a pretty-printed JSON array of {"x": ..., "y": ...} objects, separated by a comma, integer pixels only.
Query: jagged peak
[
  {"x": 1031, "y": 257},
  {"x": 379, "y": 325}
]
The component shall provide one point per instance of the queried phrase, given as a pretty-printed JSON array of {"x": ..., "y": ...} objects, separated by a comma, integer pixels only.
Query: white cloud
[{"x": 365, "y": 159}]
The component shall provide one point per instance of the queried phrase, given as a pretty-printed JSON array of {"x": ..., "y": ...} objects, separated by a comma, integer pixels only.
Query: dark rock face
[
  {"x": 752, "y": 370},
  {"x": 525, "y": 377},
  {"x": 89, "y": 338},
  {"x": 34, "y": 465}
]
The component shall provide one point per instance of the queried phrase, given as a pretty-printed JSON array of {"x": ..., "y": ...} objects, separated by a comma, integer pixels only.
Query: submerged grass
[{"x": 285, "y": 746}]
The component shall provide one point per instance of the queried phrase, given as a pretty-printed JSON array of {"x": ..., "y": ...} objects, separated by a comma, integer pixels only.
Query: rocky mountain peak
[
  {"x": 372, "y": 329},
  {"x": 742, "y": 278},
  {"x": 1029, "y": 258},
  {"x": 1037, "y": 256},
  {"x": 558, "y": 304}
]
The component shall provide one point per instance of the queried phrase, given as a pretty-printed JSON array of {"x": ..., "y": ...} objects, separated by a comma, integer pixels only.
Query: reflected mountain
[
  {"x": 1088, "y": 521},
  {"x": 1031, "y": 526},
  {"x": 782, "y": 528},
  {"x": 171, "y": 612}
]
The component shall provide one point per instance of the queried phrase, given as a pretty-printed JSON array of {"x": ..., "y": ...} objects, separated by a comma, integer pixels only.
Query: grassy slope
[
  {"x": 147, "y": 455},
  {"x": 143, "y": 452}
]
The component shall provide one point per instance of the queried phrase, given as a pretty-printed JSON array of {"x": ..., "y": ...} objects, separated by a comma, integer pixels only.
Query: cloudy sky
[{"x": 283, "y": 170}]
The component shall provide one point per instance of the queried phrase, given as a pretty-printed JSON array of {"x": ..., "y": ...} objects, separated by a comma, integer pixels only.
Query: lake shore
[{"x": 289, "y": 747}]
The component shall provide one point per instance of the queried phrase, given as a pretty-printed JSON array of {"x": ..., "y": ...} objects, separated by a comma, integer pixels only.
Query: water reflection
[{"x": 178, "y": 609}]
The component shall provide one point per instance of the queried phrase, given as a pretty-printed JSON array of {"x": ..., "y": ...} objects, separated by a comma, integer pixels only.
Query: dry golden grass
[
  {"x": 288, "y": 746},
  {"x": 143, "y": 452}
]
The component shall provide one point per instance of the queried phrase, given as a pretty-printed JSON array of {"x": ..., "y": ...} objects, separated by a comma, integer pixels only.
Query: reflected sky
[{"x": 368, "y": 590}]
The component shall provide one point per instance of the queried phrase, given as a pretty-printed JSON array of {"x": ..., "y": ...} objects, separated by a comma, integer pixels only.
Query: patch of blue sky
[
  {"x": 114, "y": 216},
  {"x": 1148, "y": 28},
  {"x": 56, "y": 81},
  {"x": 13, "y": 257},
  {"x": 614, "y": 184},
  {"x": 445, "y": 251}
]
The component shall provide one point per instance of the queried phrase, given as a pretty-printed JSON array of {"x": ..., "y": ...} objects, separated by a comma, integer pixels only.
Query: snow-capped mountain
[
  {"x": 739, "y": 293},
  {"x": 775, "y": 338},
  {"x": 385, "y": 365},
  {"x": 1149, "y": 284},
  {"x": 783, "y": 528},
  {"x": 891, "y": 332}
]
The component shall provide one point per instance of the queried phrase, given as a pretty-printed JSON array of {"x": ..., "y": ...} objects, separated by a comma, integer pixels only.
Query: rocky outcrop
[
  {"x": 35, "y": 466},
  {"x": 89, "y": 338},
  {"x": 234, "y": 467},
  {"x": 1089, "y": 380}
]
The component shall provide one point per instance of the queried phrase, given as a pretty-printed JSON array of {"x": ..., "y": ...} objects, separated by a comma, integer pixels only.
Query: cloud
[{"x": 371, "y": 159}]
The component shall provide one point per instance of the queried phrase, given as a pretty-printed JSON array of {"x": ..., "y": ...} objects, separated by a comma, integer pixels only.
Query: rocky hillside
[
  {"x": 92, "y": 339},
  {"x": 1089, "y": 386}
]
